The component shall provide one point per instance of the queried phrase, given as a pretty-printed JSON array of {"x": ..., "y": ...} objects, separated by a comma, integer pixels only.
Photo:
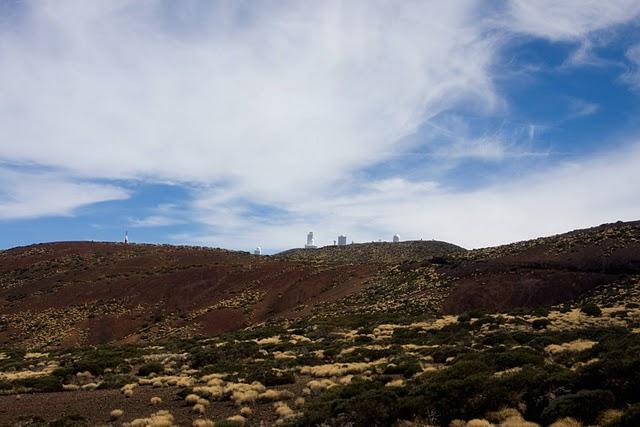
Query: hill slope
[
  {"x": 70, "y": 293},
  {"x": 544, "y": 271},
  {"x": 77, "y": 293},
  {"x": 353, "y": 336}
]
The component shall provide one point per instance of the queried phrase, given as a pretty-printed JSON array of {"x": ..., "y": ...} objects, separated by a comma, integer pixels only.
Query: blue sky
[{"x": 237, "y": 124}]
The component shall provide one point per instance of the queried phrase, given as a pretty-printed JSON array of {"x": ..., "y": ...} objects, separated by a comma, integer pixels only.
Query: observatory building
[
  {"x": 310, "y": 244},
  {"x": 257, "y": 251},
  {"x": 342, "y": 240},
  {"x": 396, "y": 238}
]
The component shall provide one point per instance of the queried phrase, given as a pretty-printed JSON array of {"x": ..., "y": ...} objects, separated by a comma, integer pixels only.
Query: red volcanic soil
[
  {"x": 74, "y": 293},
  {"x": 78, "y": 293},
  {"x": 123, "y": 290},
  {"x": 544, "y": 271}
]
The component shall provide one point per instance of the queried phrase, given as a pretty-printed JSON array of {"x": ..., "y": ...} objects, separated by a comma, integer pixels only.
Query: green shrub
[
  {"x": 591, "y": 309},
  {"x": 464, "y": 317},
  {"x": 269, "y": 377},
  {"x": 584, "y": 406},
  {"x": 406, "y": 367},
  {"x": 63, "y": 372},
  {"x": 150, "y": 368},
  {"x": 96, "y": 360},
  {"x": 540, "y": 324},
  {"x": 111, "y": 381},
  {"x": 515, "y": 358},
  {"x": 70, "y": 421},
  {"x": 44, "y": 384}
]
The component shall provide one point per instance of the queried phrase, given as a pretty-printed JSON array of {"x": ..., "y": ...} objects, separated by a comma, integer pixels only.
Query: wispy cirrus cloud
[
  {"x": 32, "y": 194},
  {"x": 301, "y": 93},
  {"x": 567, "y": 196},
  {"x": 268, "y": 114},
  {"x": 632, "y": 76},
  {"x": 569, "y": 20}
]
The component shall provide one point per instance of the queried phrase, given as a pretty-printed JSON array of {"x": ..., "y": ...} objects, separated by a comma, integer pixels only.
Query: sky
[{"x": 239, "y": 124}]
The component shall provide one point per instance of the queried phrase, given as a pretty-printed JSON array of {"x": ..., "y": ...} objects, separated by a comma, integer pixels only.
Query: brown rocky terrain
[
  {"x": 67, "y": 294},
  {"x": 73, "y": 293},
  {"x": 543, "y": 271},
  {"x": 541, "y": 332}
]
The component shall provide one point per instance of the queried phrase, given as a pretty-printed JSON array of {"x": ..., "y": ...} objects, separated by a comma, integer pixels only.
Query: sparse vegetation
[{"x": 376, "y": 357}]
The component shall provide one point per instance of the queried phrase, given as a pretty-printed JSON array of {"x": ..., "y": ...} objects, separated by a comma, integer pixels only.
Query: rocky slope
[{"x": 76, "y": 293}]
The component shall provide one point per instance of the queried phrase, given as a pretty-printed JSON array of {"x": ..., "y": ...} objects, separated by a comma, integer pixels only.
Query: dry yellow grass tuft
[
  {"x": 89, "y": 386},
  {"x": 245, "y": 411},
  {"x": 275, "y": 395},
  {"x": 158, "y": 419},
  {"x": 199, "y": 408},
  {"x": 610, "y": 416},
  {"x": 316, "y": 386},
  {"x": 295, "y": 339},
  {"x": 215, "y": 392},
  {"x": 566, "y": 422},
  {"x": 507, "y": 372},
  {"x": 192, "y": 399},
  {"x": 345, "y": 380},
  {"x": 299, "y": 402},
  {"x": 283, "y": 411},
  {"x": 70, "y": 387},
  {"x": 207, "y": 378},
  {"x": 571, "y": 346},
  {"x": 518, "y": 421},
  {"x": 270, "y": 340},
  {"x": 479, "y": 423},
  {"x": 340, "y": 369},
  {"x": 155, "y": 400},
  {"x": 395, "y": 383},
  {"x": 35, "y": 355},
  {"x": 21, "y": 375},
  {"x": 116, "y": 414},
  {"x": 502, "y": 414},
  {"x": 284, "y": 355},
  {"x": 202, "y": 422},
  {"x": 238, "y": 419}
]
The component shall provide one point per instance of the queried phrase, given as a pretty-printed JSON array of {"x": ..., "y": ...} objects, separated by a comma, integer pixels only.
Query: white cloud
[
  {"x": 275, "y": 99},
  {"x": 569, "y": 196},
  {"x": 270, "y": 111},
  {"x": 163, "y": 215},
  {"x": 632, "y": 76},
  {"x": 35, "y": 194},
  {"x": 569, "y": 20}
]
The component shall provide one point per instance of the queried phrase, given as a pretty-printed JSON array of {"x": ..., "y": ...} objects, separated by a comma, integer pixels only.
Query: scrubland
[{"x": 564, "y": 365}]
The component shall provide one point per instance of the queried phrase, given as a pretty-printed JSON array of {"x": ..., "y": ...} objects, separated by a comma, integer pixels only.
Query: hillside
[
  {"x": 378, "y": 252},
  {"x": 542, "y": 332},
  {"x": 73, "y": 293},
  {"x": 543, "y": 271}
]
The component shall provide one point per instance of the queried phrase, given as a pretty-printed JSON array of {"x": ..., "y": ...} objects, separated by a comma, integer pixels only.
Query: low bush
[
  {"x": 591, "y": 309},
  {"x": 584, "y": 405},
  {"x": 112, "y": 381},
  {"x": 270, "y": 377},
  {"x": 150, "y": 368},
  {"x": 43, "y": 384},
  {"x": 70, "y": 421},
  {"x": 540, "y": 323}
]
